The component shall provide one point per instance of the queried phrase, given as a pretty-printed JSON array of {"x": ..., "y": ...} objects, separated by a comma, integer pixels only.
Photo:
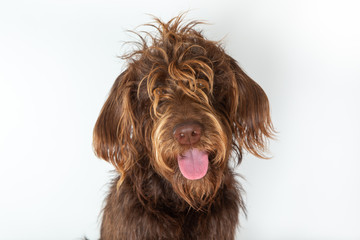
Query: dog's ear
[
  {"x": 249, "y": 112},
  {"x": 113, "y": 136}
]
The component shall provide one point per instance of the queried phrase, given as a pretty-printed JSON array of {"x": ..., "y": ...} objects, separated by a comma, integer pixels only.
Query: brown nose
[{"x": 188, "y": 133}]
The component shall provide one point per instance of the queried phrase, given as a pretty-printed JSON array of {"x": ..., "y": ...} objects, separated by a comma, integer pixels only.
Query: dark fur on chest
[{"x": 153, "y": 211}]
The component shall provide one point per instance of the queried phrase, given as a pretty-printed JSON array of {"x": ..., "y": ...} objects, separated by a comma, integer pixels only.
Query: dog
[{"x": 174, "y": 119}]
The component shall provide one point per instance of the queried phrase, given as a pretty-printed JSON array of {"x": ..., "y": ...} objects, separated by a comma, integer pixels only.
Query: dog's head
[{"x": 181, "y": 108}]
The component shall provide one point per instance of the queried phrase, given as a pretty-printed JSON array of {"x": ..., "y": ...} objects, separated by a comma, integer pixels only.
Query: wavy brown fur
[{"x": 174, "y": 77}]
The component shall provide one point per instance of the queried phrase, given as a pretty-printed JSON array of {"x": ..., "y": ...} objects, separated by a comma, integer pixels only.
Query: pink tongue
[{"x": 193, "y": 164}]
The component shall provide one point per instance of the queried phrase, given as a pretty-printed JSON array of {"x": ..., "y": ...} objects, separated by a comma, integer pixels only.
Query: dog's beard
[
  {"x": 195, "y": 172},
  {"x": 200, "y": 192}
]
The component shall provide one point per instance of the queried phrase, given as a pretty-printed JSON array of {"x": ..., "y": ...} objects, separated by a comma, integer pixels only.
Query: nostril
[
  {"x": 188, "y": 133},
  {"x": 195, "y": 133}
]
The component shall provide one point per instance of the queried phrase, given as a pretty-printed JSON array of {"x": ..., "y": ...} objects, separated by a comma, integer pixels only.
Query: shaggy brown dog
[{"x": 169, "y": 126}]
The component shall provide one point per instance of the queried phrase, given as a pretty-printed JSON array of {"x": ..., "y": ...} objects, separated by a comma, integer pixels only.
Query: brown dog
[{"x": 169, "y": 126}]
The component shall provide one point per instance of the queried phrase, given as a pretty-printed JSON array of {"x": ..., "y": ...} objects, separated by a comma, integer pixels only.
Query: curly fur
[{"x": 176, "y": 76}]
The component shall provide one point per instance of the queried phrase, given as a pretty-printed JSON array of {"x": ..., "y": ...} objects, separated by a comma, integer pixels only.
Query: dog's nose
[{"x": 188, "y": 133}]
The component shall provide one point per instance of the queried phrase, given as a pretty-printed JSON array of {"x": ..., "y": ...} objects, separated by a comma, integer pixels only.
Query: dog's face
[{"x": 180, "y": 109}]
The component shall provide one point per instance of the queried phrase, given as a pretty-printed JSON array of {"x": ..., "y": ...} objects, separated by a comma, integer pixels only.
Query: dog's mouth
[{"x": 193, "y": 163}]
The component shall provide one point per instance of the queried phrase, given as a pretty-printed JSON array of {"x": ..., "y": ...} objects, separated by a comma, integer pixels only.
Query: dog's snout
[{"x": 188, "y": 133}]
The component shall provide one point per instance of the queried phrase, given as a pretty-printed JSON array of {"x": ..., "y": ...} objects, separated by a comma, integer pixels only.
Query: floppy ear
[
  {"x": 250, "y": 113},
  {"x": 113, "y": 136}
]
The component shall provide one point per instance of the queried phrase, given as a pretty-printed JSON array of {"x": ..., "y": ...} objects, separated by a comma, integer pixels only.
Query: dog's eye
[
  {"x": 203, "y": 85},
  {"x": 159, "y": 91}
]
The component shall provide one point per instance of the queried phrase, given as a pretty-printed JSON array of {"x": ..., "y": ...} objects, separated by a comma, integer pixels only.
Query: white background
[{"x": 58, "y": 60}]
